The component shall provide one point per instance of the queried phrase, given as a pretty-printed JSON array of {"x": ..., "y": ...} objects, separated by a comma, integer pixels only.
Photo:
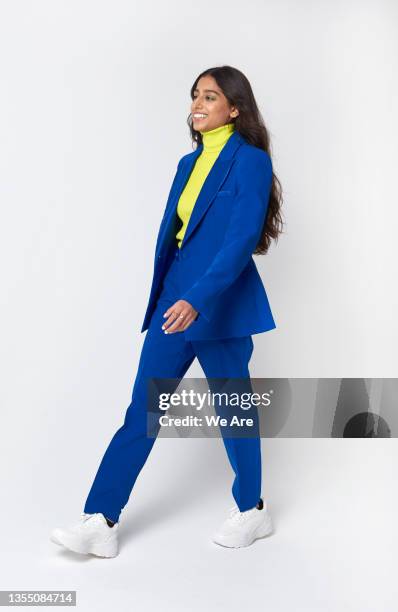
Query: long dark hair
[{"x": 250, "y": 124}]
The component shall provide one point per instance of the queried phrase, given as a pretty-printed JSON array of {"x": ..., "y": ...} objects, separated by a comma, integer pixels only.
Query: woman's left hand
[{"x": 180, "y": 316}]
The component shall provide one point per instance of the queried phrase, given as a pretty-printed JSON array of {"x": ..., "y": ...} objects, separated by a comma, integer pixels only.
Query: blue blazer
[{"x": 218, "y": 275}]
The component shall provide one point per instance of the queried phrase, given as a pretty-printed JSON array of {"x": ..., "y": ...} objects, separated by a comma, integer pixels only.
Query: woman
[{"x": 206, "y": 301}]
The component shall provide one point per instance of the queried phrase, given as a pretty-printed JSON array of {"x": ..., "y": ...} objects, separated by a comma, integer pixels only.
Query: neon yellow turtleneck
[{"x": 213, "y": 142}]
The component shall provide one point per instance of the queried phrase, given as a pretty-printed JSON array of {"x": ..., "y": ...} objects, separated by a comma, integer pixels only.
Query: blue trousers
[{"x": 170, "y": 356}]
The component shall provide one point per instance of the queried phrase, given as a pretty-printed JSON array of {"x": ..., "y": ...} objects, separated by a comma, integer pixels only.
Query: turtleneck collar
[{"x": 214, "y": 140}]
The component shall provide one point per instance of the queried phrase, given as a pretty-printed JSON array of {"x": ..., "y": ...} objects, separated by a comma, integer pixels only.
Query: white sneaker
[
  {"x": 91, "y": 534},
  {"x": 242, "y": 528}
]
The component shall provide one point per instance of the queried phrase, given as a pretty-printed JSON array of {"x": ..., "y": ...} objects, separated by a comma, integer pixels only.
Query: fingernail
[{"x": 162, "y": 326}]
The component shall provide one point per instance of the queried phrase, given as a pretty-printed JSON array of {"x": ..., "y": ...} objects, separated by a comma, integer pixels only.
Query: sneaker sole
[
  {"x": 106, "y": 550},
  {"x": 261, "y": 532}
]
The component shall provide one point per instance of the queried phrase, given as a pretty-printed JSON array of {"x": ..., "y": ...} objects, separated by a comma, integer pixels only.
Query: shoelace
[
  {"x": 84, "y": 517},
  {"x": 236, "y": 516}
]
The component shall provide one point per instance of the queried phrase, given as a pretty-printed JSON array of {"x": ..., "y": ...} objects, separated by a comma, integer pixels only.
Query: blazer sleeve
[{"x": 250, "y": 206}]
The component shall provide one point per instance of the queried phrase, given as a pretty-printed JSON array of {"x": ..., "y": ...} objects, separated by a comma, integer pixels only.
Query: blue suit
[
  {"x": 218, "y": 275},
  {"x": 215, "y": 272}
]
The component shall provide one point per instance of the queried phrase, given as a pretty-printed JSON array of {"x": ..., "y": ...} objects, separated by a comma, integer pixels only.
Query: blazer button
[{"x": 159, "y": 257}]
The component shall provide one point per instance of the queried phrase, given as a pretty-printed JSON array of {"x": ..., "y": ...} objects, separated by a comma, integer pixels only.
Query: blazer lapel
[
  {"x": 215, "y": 178},
  {"x": 208, "y": 192},
  {"x": 182, "y": 178}
]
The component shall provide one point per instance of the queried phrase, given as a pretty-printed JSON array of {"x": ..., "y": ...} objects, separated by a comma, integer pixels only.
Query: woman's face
[{"x": 209, "y": 101}]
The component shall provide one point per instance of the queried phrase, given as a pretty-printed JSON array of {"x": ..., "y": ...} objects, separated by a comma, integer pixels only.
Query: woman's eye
[{"x": 207, "y": 97}]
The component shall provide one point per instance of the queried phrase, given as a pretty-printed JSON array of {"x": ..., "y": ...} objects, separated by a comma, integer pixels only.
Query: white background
[{"x": 93, "y": 107}]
